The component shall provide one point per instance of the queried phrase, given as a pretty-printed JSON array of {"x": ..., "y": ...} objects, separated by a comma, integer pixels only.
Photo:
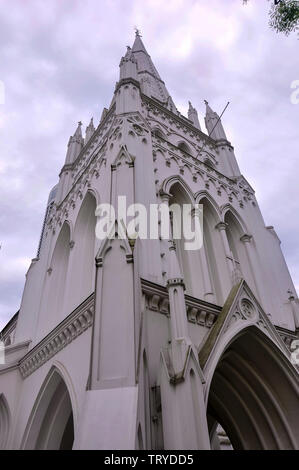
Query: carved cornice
[
  {"x": 125, "y": 81},
  {"x": 198, "y": 311},
  {"x": 287, "y": 336},
  {"x": 68, "y": 330},
  {"x": 201, "y": 312}
]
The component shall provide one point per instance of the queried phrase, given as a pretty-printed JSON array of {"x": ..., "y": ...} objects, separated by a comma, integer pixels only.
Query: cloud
[{"x": 59, "y": 65}]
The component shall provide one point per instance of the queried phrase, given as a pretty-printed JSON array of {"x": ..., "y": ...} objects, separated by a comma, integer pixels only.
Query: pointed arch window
[
  {"x": 81, "y": 277},
  {"x": 184, "y": 148},
  {"x": 209, "y": 163},
  {"x": 159, "y": 134},
  {"x": 51, "y": 425}
]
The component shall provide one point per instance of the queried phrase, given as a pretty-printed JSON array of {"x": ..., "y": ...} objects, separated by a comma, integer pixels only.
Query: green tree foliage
[{"x": 284, "y": 15}]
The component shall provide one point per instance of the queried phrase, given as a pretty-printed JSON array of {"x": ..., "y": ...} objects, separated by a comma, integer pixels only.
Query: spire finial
[
  {"x": 191, "y": 108},
  {"x": 206, "y": 102},
  {"x": 137, "y": 32},
  {"x": 80, "y": 123}
]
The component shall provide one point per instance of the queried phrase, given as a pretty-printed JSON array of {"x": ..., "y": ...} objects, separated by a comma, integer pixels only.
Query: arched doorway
[
  {"x": 254, "y": 395},
  {"x": 51, "y": 424}
]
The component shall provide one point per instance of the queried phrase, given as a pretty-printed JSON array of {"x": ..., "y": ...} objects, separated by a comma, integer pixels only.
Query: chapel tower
[{"x": 129, "y": 343}]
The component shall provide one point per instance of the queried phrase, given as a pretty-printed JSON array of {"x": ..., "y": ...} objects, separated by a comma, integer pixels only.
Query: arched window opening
[
  {"x": 159, "y": 134},
  {"x": 238, "y": 253},
  {"x": 212, "y": 257},
  {"x": 51, "y": 425},
  {"x": 185, "y": 148},
  {"x": 53, "y": 307},
  {"x": 209, "y": 163},
  {"x": 81, "y": 277}
]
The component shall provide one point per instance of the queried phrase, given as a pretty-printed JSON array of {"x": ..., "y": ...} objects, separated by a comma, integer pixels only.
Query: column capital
[
  {"x": 164, "y": 196},
  {"x": 178, "y": 281},
  {"x": 221, "y": 226},
  {"x": 246, "y": 238}
]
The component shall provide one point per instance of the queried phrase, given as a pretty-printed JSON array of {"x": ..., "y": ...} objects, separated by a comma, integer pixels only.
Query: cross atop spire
[
  {"x": 137, "y": 32},
  {"x": 138, "y": 45}
]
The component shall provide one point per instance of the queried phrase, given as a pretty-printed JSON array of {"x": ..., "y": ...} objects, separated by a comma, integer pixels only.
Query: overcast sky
[{"x": 59, "y": 64}]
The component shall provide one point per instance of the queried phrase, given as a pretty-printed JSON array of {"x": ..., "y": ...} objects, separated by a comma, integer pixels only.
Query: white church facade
[{"x": 141, "y": 344}]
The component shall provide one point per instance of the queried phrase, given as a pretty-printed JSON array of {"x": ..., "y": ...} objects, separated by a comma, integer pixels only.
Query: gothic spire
[
  {"x": 89, "y": 131},
  {"x": 75, "y": 145},
  {"x": 214, "y": 124},
  {"x": 193, "y": 116},
  {"x": 128, "y": 66},
  {"x": 78, "y": 132},
  {"x": 151, "y": 82},
  {"x": 138, "y": 45}
]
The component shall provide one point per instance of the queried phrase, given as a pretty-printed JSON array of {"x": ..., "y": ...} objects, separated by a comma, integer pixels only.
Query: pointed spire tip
[{"x": 137, "y": 32}]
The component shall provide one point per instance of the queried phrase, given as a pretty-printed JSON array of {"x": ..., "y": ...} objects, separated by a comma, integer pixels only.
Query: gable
[{"x": 241, "y": 310}]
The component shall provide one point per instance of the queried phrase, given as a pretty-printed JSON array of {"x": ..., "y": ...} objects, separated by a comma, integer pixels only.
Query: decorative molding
[
  {"x": 201, "y": 312},
  {"x": 178, "y": 281},
  {"x": 246, "y": 238},
  {"x": 198, "y": 311},
  {"x": 221, "y": 226},
  {"x": 287, "y": 336},
  {"x": 198, "y": 168},
  {"x": 68, "y": 330}
]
